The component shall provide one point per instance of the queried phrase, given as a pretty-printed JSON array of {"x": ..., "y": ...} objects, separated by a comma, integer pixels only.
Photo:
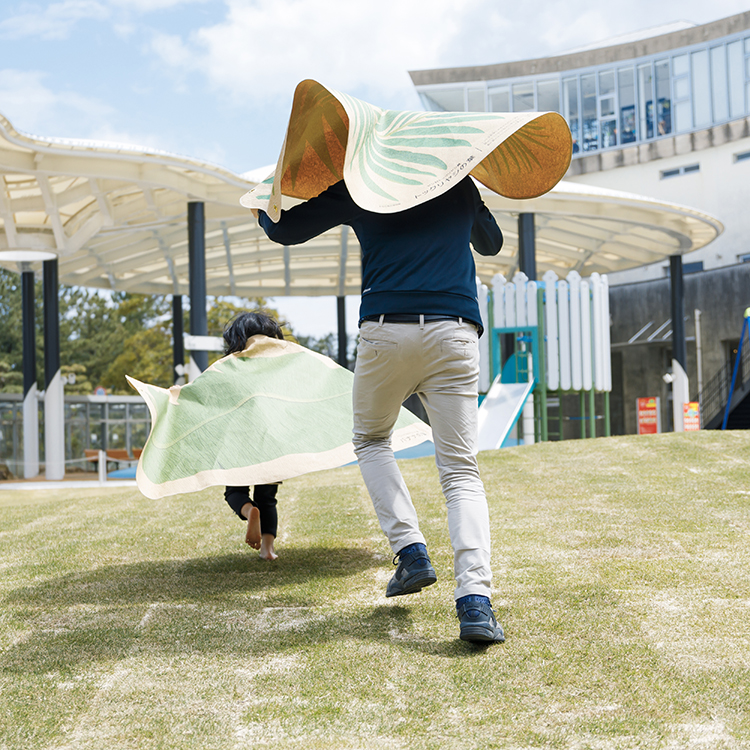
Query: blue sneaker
[
  {"x": 478, "y": 623},
  {"x": 414, "y": 571}
]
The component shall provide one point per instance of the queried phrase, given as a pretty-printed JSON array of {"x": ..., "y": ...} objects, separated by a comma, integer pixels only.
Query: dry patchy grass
[{"x": 622, "y": 576}]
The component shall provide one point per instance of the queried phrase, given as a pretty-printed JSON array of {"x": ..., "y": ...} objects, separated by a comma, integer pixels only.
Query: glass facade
[{"x": 616, "y": 104}]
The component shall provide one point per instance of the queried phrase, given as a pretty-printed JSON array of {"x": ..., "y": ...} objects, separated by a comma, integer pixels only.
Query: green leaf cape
[{"x": 271, "y": 412}]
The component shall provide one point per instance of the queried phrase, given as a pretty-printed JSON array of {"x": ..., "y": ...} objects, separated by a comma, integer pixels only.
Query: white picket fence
[{"x": 576, "y": 323}]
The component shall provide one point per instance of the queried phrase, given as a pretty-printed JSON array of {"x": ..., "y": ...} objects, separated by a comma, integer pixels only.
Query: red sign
[
  {"x": 649, "y": 420},
  {"x": 691, "y": 416}
]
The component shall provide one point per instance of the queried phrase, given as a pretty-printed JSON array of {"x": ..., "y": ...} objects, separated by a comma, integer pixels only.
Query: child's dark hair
[{"x": 245, "y": 325}]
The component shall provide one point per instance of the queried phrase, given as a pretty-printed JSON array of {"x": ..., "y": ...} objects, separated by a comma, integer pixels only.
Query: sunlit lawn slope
[{"x": 622, "y": 577}]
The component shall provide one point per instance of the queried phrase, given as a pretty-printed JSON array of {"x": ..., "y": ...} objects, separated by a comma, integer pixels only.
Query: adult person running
[{"x": 419, "y": 330}]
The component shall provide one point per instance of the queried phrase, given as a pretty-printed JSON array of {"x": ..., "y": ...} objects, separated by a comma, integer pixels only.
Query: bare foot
[
  {"x": 252, "y": 537},
  {"x": 266, "y": 547}
]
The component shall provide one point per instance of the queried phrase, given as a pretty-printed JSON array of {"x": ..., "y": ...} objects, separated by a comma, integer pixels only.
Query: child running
[{"x": 260, "y": 511}]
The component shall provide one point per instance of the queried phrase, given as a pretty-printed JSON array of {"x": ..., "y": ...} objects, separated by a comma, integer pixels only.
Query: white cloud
[
  {"x": 34, "y": 108},
  {"x": 56, "y": 20},
  {"x": 366, "y": 47},
  {"x": 53, "y": 22},
  {"x": 146, "y": 6},
  {"x": 263, "y": 49}
]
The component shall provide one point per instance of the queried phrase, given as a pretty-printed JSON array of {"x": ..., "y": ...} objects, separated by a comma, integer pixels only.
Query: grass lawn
[{"x": 622, "y": 578}]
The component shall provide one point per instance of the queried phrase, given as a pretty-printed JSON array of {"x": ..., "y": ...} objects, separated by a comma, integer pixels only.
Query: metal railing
[
  {"x": 117, "y": 424},
  {"x": 713, "y": 398}
]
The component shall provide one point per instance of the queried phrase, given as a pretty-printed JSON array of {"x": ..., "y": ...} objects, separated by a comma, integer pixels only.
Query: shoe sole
[
  {"x": 418, "y": 582},
  {"x": 479, "y": 634}
]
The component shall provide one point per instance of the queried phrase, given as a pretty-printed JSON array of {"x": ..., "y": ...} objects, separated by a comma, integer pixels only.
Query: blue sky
[{"x": 213, "y": 79}]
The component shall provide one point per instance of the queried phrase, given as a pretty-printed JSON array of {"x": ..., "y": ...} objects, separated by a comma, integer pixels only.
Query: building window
[
  {"x": 745, "y": 258},
  {"x": 736, "y": 78},
  {"x": 646, "y": 101},
  {"x": 719, "y": 88},
  {"x": 626, "y": 91},
  {"x": 607, "y": 108},
  {"x": 696, "y": 267},
  {"x": 570, "y": 111},
  {"x": 548, "y": 96},
  {"x": 744, "y": 156},
  {"x": 677, "y": 171},
  {"x": 523, "y": 97},
  {"x": 663, "y": 98},
  {"x": 590, "y": 121},
  {"x": 681, "y": 86},
  {"x": 499, "y": 99},
  {"x": 475, "y": 100},
  {"x": 701, "y": 88},
  {"x": 444, "y": 100}
]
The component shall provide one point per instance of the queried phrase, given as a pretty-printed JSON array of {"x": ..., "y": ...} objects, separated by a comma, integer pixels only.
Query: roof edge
[{"x": 600, "y": 56}]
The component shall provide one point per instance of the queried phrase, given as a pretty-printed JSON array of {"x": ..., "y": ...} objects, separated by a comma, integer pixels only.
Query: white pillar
[
  {"x": 31, "y": 433},
  {"x": 54, "y": 429}
]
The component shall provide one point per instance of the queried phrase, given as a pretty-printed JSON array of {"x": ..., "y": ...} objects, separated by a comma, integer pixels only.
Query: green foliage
[
  {"x": 146, "y": 356},
  {"x": 82, "y": 385},
  {"x": 95, "y": 329},
  {"x": 11, "y": 381},
  {"x": 327, "y": 344}
]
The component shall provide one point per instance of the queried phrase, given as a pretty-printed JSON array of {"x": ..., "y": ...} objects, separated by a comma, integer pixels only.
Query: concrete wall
[{"x": 722, "y": 295}]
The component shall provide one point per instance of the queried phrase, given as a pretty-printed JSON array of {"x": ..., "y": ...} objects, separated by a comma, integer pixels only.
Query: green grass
[{"x": 622, "y": 577}]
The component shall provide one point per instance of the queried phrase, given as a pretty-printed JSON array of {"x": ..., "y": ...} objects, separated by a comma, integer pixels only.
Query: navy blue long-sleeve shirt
[{"x": 413, "y": 261}]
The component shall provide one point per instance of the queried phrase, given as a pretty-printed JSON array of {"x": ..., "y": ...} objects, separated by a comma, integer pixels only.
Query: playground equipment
[{"x": 547, "y": 339}]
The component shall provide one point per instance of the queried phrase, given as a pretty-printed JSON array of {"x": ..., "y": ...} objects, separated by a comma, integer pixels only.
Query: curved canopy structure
[
  {"x": 590, "y": 229},
  {"x": 116, "y": 216}
]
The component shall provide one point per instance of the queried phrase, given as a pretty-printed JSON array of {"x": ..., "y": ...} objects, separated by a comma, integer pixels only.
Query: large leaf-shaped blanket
[
  {"x": 269, "y": 413},
  {"x": 392, "y": 161}
]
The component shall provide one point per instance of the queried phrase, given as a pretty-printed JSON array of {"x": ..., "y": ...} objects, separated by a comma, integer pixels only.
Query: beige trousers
[{"x": 440, "y": 362}]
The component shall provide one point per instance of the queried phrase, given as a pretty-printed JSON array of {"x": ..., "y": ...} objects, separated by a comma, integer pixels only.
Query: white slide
[{"x": 500, "y": 411}]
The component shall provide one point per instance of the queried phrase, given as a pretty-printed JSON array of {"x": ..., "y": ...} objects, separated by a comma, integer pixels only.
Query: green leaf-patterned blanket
[
  {"x": 269, "y": 413},
  {"x": 392, "y": 161}
]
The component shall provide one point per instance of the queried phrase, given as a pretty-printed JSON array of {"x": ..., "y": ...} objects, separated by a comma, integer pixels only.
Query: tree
[
  {"x": 11, "y": 381},
  {"x": 77, "y": 383},
  {"x": 146, "y": 356}
]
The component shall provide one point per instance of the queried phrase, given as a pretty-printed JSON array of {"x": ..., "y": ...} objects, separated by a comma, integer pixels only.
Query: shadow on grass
[
  {"x": 203, "y": 579},
  {"x": 178, "y": 609}
]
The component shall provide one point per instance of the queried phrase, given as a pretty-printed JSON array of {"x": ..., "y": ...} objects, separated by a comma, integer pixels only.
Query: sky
[{"x": 213, "y": 79}]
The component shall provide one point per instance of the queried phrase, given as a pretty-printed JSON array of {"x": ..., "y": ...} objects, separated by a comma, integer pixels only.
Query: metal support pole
[
  {"x": 197, "y": 270},
  {"x": 592, "y": 413},
  {"x": 527, "y": 246},
  {"x": 54, "y": 403},
  {"x": 542, "y": 364},
  {"x": 30, "y": 400},
  {"x": 699, "y": 357},
  {"x": 607, "y": 419},
  {"x": 341, "y": 310},
  {"x": 178, "y": 343},
  {"x": 582, "y": 398},
  {"x": 680, "y": 384}
]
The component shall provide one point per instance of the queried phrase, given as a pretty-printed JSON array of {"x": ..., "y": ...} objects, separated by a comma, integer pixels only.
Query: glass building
[
  {"x": 617, "y": 95},
  {"x": 664, "y": 113}
]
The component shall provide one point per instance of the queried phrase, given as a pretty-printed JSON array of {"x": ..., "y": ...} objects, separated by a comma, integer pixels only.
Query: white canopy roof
[{"x": 116, "y": 216}]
